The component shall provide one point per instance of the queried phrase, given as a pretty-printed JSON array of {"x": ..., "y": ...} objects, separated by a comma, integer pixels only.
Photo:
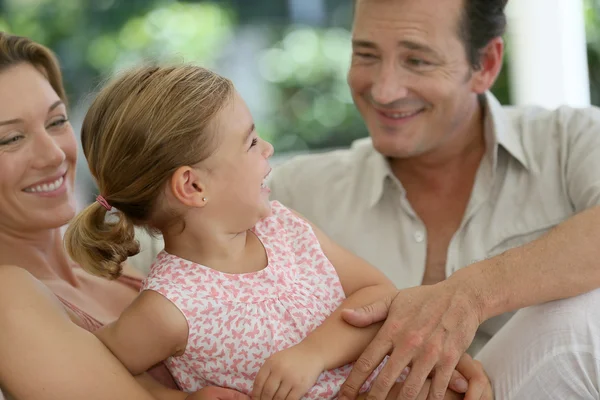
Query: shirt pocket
[{"x": 517, "y": 238}]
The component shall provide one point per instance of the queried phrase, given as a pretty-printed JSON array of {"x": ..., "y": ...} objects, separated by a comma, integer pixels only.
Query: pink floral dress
[{"x": 236, "y": 321}]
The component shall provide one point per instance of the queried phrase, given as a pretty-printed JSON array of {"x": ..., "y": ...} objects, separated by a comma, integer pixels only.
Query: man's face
[{"x": 409, "y": 76}]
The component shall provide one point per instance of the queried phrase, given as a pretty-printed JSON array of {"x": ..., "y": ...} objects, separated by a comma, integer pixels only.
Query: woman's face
[{"x": 38, "y": 152}]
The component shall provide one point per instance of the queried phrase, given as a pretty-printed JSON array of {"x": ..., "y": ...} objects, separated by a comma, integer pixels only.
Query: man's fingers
[
  {"x": 416, "y": 379},
  {"x": 439, "y": 383},
  {"x": 369, "y": 314},
  {"x": 391, "y": 373},
  {"x": 364, "y": 367}
]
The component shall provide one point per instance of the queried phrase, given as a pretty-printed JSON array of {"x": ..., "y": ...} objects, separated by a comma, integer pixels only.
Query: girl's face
[{"x": 238, "y": 168}]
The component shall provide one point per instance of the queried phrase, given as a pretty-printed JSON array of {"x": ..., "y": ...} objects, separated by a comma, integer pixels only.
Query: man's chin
[{"x": 392, "y": 149}]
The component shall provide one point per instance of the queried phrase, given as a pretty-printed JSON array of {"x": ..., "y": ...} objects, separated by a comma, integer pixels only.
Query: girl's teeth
[{"x": 46, "y": 187}]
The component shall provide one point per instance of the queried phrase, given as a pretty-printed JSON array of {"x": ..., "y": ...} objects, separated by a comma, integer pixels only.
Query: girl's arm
[
  {"x": 336, "y": 341},
  {"x": 149, "y": 331},
  {"x": 291, "y": 373},
  {"x": 45, "y": 356}
]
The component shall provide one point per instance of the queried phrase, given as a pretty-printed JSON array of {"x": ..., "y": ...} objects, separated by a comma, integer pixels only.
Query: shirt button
[{"x": 419, "y": 236}]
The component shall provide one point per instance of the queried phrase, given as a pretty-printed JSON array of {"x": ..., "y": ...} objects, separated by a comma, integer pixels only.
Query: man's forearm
[
  {"x": 337, "y": 341},
  {"x": 561, "y": 264}
]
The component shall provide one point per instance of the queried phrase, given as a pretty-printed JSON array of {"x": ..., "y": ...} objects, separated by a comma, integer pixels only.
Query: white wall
[{"x": 548, "y": 54}]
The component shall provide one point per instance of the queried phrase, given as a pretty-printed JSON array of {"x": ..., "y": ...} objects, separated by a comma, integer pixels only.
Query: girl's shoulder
[{"x": 285, "y": 218}]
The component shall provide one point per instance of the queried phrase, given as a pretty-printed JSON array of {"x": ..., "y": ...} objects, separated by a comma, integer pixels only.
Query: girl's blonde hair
[
  {"x": 139, "y": 130},
  {"x": 15, "y": 50}
]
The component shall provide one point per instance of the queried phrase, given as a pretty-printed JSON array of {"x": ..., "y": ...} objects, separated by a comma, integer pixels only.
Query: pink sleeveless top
[
  {"x": 89, "y": 323},
  {"x": 236, "y": 321}
]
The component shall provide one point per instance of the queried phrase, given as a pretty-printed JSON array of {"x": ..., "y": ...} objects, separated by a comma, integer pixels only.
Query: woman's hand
[
  {"x": 217, "y": 393},
  {"x": 480, "y": 387},
  {"x": 288, "y": 374}
]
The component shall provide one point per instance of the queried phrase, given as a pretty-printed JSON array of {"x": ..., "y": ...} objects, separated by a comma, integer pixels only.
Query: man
[{"x": 491, "y": 209}]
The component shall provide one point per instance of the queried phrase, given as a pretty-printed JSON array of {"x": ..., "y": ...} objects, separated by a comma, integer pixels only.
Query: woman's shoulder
[
  {"x": 19, "y": 290},
  {"x": 14, "y": 279}
]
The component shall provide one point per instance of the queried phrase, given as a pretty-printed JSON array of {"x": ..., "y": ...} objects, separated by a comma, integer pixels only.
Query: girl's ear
[{"x": 186, "y": 186}]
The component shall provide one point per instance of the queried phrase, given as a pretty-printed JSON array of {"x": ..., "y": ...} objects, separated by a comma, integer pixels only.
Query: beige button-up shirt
[{"x": 540, "y": 168}]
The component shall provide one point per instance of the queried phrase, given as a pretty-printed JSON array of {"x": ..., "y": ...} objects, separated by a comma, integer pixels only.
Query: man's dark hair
[{"x": 481, "y": 21}]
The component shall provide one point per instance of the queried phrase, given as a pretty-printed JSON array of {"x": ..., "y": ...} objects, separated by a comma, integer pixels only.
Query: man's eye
[{"x": 417, "y": 62}]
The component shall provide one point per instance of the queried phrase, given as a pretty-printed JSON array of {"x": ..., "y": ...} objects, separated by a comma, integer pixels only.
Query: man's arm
[
  {"x": 561, "y": 264},
  {"x": 566, "y": 261}
]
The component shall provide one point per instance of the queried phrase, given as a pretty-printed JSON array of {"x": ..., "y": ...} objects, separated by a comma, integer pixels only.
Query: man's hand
[
  {"x": 427, "y": 328},
  {"x": 216, "y": 393},
  {"x": 288, "y": 374}
]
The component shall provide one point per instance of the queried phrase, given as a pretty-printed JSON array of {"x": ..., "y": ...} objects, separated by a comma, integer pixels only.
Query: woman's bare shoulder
[
  {"x": 40, "y": 344},
  {"x": 19, "y": 289},
  {"x": 13, "y": 272}
]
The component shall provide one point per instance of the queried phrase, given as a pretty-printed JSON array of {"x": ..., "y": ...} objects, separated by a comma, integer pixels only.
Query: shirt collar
[
  {"x": 498, "y": 131},
  {"x": 380, "y": 173}
]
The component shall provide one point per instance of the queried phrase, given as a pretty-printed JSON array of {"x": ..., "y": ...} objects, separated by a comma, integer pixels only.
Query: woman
[{"x": 46, "y": 302}]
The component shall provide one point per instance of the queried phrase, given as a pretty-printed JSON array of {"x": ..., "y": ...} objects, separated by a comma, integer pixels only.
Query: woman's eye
[
  {"x": 11, "y": 140},
  {"x": 58, "y": 122}
]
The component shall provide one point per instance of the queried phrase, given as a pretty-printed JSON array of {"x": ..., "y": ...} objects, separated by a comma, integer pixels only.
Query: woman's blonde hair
[
  {"x": 139, "y": 130},
  {"x": 15, "y": 50}
]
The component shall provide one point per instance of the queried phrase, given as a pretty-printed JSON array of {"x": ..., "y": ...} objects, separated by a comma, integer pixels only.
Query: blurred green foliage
[{"x": 303, "y": 68}]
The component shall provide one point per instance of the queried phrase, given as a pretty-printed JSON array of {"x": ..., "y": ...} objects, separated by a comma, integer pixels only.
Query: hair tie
[{"x": 103, "y": 202}]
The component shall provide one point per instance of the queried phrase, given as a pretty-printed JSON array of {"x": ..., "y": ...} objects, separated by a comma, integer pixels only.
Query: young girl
[{"x": 246, "y": 294}]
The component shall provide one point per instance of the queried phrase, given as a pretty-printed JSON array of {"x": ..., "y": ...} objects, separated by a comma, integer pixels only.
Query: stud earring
[{"x": 204, "y": 199}]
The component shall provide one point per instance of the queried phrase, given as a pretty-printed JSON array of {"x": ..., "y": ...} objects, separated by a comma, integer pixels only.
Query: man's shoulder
[
  {"x": 530, "y": 118},
  {"x": 303, "y": 182},
  {"x": 322, "y": 167}
]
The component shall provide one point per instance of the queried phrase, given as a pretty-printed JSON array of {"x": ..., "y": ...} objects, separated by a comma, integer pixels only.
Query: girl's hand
[{"x": 288, "y": 374}]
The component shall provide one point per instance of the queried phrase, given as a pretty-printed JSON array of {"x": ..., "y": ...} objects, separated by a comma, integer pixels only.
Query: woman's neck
[{"x": 41, "y": 253}]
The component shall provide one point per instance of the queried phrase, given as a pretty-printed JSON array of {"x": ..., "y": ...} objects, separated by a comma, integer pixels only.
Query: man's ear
[
  {"x": 187, "y": 187},
  {"x": 483, "y": 78}
]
